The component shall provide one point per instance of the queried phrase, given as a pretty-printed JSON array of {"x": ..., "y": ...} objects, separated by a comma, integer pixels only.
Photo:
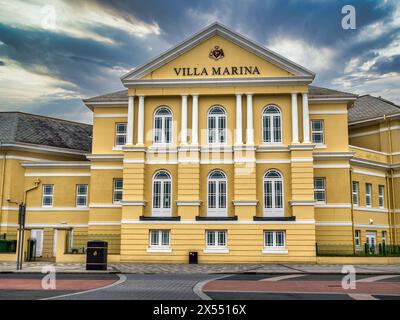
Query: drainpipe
[
  {"x": 392, "y": 179},
  {"x": 3, "y": 178},
  {"x": 352, "y": 210}
]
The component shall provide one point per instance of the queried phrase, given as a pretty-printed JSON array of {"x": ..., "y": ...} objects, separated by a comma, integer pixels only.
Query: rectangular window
[
  {"x": 319, "y": 189},
  {"x": 355, "y": 193},
  {"x": 120, "y": 133},
  {"x": 357, "y": 238},
  {"x": 81, "y": 195},
  {"x": 216, "y": 239},
  {"x": 159, "y": 238},
  {"x": 368, "y": 195},
  {"x": 317, "y": 131},
  {"x": 117, "y": 191},
  {"x": 274, "y": 239},
  {"x": 381, "y": 196},
  {"x": 384, "y": 236},
  {"x": 47, "y": 195}
]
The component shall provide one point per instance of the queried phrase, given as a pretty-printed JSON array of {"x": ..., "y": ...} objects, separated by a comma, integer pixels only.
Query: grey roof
[
  {"x": 319, "y": 92},
  {"x": 19, "y": 127},
  {"x": 121, "y": 95},
  {"x": 368, "y": 107}
]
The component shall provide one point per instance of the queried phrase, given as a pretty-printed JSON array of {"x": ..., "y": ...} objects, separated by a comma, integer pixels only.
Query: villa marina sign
[{"x": 217, "y": 71}]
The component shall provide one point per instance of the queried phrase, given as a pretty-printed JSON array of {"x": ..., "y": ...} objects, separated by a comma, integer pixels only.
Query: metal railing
[{"x": 342, "y": 250}]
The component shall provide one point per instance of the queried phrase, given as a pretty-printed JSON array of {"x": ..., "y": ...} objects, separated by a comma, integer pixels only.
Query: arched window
[
  {"x": 162, "y": 126},
  {"x": 272, "y": 125},
  {"x": 216, "y": 125},
  {"x": 273, "y": 193},
  {"x": 216, "y": 194},
  {"x": 162, "y": 189}
]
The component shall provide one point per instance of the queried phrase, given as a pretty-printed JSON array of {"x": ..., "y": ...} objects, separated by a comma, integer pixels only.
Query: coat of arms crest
[{"x": 216, "y": 53}]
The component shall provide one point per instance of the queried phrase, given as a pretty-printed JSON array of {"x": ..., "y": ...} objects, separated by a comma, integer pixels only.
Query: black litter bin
[
  {"x": 96, "y": 255},
  {"x": 193, "y": 258}
]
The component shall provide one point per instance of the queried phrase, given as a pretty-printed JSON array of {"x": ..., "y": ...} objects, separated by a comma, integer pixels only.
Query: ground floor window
[
  {"x": 216, "y": 239},
  {"x": 159, "y": 239},
  {"x": 357, "y": 238},
  {"x": 274, "y": 239}
]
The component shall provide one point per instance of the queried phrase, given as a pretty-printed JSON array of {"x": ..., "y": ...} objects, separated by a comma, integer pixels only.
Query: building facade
[{"x": 218, "y": 146}]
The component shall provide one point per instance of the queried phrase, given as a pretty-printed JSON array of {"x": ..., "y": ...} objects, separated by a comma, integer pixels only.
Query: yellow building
[{"x": 218, "y": 146}]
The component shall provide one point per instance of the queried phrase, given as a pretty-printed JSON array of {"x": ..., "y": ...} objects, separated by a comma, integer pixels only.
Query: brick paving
[{"x": 146, "y": 268}]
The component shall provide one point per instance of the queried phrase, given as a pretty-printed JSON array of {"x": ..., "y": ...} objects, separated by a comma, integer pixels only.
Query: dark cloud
[
  {"x": 94, "y": 67},
  {"x": 2, "y": 63}
]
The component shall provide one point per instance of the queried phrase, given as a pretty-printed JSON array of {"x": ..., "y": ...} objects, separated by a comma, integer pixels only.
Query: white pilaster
[
  {"x": 184, "y": 120},
  {"x": 195, "y": 119},
  {"x": 239, "y": 138},
  {"x": 129, "y": 132},
  {"x": 141, "y": 121},
  {"x": 306, "y": 119},
  {"x": 295, "y": 119},
  {"x": 250, "y": 129}
]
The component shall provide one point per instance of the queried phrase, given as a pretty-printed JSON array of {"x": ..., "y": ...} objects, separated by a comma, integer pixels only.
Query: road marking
[
  {"x": 122, "y": 279},
  {"x": 377, "y": 278},
  {"x": 280, "y": 278},
  {"x": 361, "y": 296},
  {"x": 198, "y": 288}
]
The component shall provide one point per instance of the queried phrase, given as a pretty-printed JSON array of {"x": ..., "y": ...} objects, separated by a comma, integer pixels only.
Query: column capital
[{"x": 195, "y": 94}]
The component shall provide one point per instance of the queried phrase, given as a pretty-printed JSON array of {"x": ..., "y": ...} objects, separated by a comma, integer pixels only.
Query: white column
[
  {"x": 195, "y": 119},
  {"x": 141, "y": 120},
  {"x": 306, "y": 120},
  {"x": 184, "y": 120},
  {"x": 250, "y": 129},
  {"x": 295, "y": 119},
  {"x": 129, "y": 137},
  {"x": 239, "y": 138}
]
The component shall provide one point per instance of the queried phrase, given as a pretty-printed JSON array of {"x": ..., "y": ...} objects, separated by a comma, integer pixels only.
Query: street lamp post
[{"x": 21, "y": 224}]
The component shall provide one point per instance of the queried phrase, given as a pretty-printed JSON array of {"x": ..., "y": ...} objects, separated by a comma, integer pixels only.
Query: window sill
[
  {"x": 275, "y": 251},
  {"x": 155, "y": 218},
  {"x": 216, "y": 250},
  {"x": 159, "y": 250},
  {"x": 216, "y": 218},
  {"x": 269, "y": 218},
  {"x": 117, "y": 148},
  {"x": 320, "y": 146}
]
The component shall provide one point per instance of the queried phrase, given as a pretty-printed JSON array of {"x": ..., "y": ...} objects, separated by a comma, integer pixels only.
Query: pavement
[{"x": 146, "y": 268}]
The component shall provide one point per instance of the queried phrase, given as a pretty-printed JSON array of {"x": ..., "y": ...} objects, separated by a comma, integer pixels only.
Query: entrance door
[
  {"x": 37, "y": 234},
  {"x": 371, "y": 241}
]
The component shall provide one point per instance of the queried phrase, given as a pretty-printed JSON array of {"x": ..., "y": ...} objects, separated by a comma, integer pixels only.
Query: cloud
[
  {"x": 74, "y": 18},
  {"x": 312, "y": 57}
]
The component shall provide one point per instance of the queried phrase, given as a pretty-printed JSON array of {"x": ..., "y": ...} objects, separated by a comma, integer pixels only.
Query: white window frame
[
  {"x": 368, "y": 195},
  {"x": 85, "y": 196},
  {"x": 384, "y": 237},
  {"x": 357, "y": 238},
  {"x": 322, "y": 131},
  {"x": 272, "y": 130},
  {"x": 50, "y": 196},
  {"x": 115, "y": 190},
  {"x": 381, "y": 196},
  {"x": 159, "y": 246},
  {"x": 164, "y": 118},
  {"x": 355, "y": 193},
  {"x": 217, "y": 129},
  {"x": 320, "y": 189},
  {"x": 120, "y": 134},
  {"x": 273, "y": 211},
  {"x": 216, "y": 247},
  {"x": 217, "y": 211},
  {"x": 162, "y": 211},
  {"x": 274, "y": 248}
]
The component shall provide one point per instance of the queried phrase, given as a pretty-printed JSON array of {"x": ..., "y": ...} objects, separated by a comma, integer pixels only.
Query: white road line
[
  {"x": 288, "y": 276},
  {"x": 361, "y": 296},
  {"x": 198, "y": 288},
  {"x": 122, "y": 279},
  {"x": 377, "y": 278}
]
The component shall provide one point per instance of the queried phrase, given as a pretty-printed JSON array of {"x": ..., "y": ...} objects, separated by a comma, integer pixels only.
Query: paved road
[
  {"x": 290, "y": 286},
  {"x": 303, "y": 287}
]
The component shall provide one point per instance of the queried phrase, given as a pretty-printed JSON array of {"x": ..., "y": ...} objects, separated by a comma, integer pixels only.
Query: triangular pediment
[{"x": 217, "y": 53}]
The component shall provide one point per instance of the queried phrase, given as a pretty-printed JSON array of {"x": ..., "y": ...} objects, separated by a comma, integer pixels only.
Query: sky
[{"x": 54, "y": 53}]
